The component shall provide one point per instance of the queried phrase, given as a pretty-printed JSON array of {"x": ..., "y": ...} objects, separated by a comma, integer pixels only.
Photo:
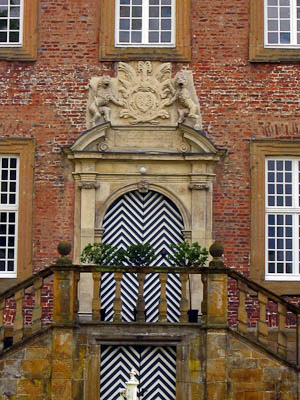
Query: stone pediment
[
  {"x": 182, "y": 139},
  {"x": 144, "y": 93},
  {"x": 143, "y": 110}
]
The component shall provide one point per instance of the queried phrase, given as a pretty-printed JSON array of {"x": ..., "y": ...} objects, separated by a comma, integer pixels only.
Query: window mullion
[
  {"x": 296, "y": 217},
  {"x": 265, "y": 22},
  {"x": 145, "y": 23},
  {"x": 293, "y": 20},
  {"x": 117, "y": 21},
  {"x": 173, "y": 21}
]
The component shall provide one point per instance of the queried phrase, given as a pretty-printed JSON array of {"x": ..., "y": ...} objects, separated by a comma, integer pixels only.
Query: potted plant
[
  {"x": 136, "y": 255},
  {"x": 139, "y": 255},
  {"x": 189, "y": 256},
  {"x": 99, "y": 253}
]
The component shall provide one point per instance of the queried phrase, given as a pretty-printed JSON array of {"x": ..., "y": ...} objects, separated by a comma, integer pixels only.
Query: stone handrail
[
  {"x": 251, "y": 290},
  {"x": 15, "y": 296},
  {"x": 214, "y": 311}
]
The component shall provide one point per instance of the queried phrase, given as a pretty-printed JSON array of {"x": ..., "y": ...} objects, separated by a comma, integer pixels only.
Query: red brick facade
[{"x": 46, "y": 100}]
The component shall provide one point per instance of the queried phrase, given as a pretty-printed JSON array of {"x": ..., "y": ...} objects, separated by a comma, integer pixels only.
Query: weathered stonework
[
  {"x": 142, "y": 158},
  {"x": 144, "y": 93},
  {"x": 214, "y": 364}
]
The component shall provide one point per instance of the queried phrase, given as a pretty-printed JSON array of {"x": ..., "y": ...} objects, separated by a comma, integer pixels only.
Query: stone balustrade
[
  {"x": 214, "y": 311},
  {"x": 13, "y": 309}
]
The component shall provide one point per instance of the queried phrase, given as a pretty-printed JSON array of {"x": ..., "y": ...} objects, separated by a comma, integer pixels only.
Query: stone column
[
  {"x": 88, "y": 184},
  {"x": 64, "y": 318},
  {"x": 201, "y": 194},
  {"x": 216, "y": 290},
  {"x": 216, "y": 318}
]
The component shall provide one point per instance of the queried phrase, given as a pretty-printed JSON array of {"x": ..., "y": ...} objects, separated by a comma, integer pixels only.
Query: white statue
[{"x": 130, "y": 392}]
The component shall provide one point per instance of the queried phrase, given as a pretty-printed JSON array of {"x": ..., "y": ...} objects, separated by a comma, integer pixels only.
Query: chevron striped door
[
  {"x": 155, "y": 366},
  {"x": 143, "y": 218}
]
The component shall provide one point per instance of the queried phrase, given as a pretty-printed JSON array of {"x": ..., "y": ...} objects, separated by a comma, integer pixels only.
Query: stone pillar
[
  {"x": 201, "y": 196},
  {"x": 64, "y": 289},
  {"x": 88, "y": 184},
  {"x": 216, "y": 317},
  {"x": 64, "y": 317},
  {"x": 216, "y": 290}
]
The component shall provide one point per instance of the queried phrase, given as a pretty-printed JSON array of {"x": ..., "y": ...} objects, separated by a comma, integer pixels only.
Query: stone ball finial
[
  {"x": 216, "y": 249},
  {"x": 64, "y": 248}
]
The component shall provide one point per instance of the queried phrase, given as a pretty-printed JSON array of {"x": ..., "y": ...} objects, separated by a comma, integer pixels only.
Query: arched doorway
[{"x": 134, "y": 218}]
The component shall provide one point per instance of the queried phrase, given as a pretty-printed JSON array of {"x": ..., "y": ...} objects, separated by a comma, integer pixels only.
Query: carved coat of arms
[{"x": 143, "y": 93}]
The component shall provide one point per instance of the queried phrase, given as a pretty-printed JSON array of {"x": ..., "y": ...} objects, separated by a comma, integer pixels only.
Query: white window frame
[
  {"x": 145, "y": 30},
  {"x": 293, "y": 210},
  {"x": 293, "y": 28},
  {"x": 20, "y": 43},
  {"x": 11, "y": 208}
]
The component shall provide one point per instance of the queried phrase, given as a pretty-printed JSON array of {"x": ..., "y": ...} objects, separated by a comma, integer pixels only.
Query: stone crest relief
[{"x": 144, "y": 93}]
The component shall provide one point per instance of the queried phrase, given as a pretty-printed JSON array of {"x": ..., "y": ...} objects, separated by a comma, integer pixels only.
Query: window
[
  {"x": 282, "y": 23},
  {"x": 275, "y": 214},
  {"x": 145, "y": 22},
  {"x": 274, "y": 30},
  {"x": 145, "y": 29},
  {"x": 16, "y": 195},
  {"x": 9, "y": 185},
  {"x": 282, "y": 218},
  {"x": 18, "y": 29},
  {"x": 11, "y": 22}
]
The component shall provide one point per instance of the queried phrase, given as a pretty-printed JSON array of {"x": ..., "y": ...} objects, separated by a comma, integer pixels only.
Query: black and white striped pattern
[
  {"x": 115, "y": 366},
  {"x": 155, "y": 367},
  {"x": 158, "y": 373},
  {"x": 143, "y": 218}
]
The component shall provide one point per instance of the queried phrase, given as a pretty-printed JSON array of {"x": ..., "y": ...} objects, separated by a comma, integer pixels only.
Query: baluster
[
  {"x": 204, "y": 300},
  {"x": 282, "y": 339},
  {"x": 37, "y": 311},
  {"x": 298, "y": 340},
  {"x": 262, "y": 326},
  {"x": 140, "y": 305},
  {"x": 118, "y": 301},
  {"x": 163, "y": 301},
  {"x": 96, "y": 304},
  {"x": 184, "y": 304},
  {"x": 18, "y": 331},
  {"x": 2, "y": 308},
  {"x": 76, "y": 300},
  {"x": 242, "y": 313}
]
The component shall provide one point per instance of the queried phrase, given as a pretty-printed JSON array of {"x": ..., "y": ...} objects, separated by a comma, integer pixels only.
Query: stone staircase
[{"x": 53, "y": 354}]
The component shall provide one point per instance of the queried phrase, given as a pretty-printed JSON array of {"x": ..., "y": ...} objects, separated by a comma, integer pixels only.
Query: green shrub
[
  {"x": 186, "y": 255},
  {"x": 99, "y": 253},
  {"x": 141, "y": 255},
  {"x": 104, "y": 254}
]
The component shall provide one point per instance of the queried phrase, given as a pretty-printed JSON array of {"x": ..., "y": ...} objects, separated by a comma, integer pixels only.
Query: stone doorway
[
  {"x": 155, "y": 367},
  {"x": 147, "y": 217}
]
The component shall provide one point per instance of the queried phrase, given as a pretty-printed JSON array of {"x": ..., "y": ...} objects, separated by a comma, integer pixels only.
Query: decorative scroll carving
[
  {"x": 184, "y": 147},
  {"x": 143, "y": 187},
  {"x": 103, "y": 146},
  {"x": 144, "y": 91},
  {"x": 198, "y": 186},
  {"x": 89, "y": 185},
  {"x": 100, "y": 97}
]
